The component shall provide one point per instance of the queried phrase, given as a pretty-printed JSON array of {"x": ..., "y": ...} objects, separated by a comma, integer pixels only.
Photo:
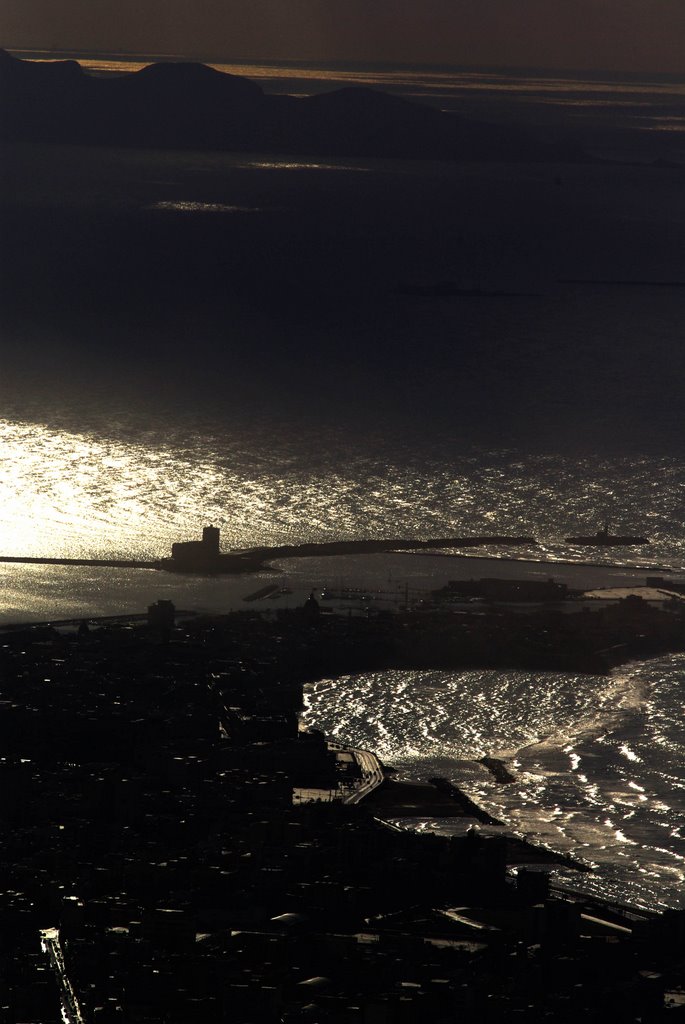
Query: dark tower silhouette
[
  {"x": 198, "y": 555},
  {"x": 161, "y": 616},
  {"x": 311, "y": 610},
  {"x": 210, "y": 540}
]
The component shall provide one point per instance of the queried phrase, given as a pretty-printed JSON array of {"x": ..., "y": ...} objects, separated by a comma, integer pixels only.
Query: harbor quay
[
  {"x": 176, "y": 849},
  {"x": 205, "y": 557}
]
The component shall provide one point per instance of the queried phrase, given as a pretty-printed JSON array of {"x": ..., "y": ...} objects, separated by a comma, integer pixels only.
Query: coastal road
[
  {"x": 51, "y": 944},
  {"x": 372, "y": 776}
]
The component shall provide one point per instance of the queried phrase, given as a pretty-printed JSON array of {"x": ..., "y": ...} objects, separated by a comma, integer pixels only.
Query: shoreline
[
  {"x": 252, "y": 560},
  {"x": 499, "y": 638},
  {"x": 346, "y": 646},
  {"x": 104, "y": 593},
  {"x": 545, "y": 561},
  {"x": 444, "y": 799}
]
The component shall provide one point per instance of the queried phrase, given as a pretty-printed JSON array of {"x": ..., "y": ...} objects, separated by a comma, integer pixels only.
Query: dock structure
[
  {"x": 384, "y": 546},
  {"x": 204, "y": 557},
  {"x": 107, "y": 563},
  {"x": 198, "y": 553}
]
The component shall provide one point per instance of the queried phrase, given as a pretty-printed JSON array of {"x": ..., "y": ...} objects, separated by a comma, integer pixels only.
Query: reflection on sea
[
  {"x": 68, "y": 493},
  {"x": 192, "y": 206},
  {"x": 599, "y": 762}
]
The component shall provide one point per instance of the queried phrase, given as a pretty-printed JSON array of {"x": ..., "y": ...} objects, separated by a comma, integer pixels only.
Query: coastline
[
  {"x": 594, "y": 785},
  {"x": 416, "y": 641},
  {"x": 40, "y": 594},
  {"x": 214, "y": 810},
  {"x": 389, "y": 799},
  {"x": 258, "y": 559}
]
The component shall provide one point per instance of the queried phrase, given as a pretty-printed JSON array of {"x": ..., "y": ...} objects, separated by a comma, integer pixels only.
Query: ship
[{"x": 605, "y": 539}]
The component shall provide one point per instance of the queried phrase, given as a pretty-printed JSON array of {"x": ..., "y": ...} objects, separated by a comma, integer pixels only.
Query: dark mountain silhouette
[{"x": 178, "y": 105}]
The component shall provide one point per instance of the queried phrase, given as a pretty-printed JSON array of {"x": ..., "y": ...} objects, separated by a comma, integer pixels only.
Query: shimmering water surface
[
  {"x": 220, "y": 338},
  {"x": 66, "y": 493},
  {"x": 599, "y": 762},
  {"x": 80, "y": 493}
]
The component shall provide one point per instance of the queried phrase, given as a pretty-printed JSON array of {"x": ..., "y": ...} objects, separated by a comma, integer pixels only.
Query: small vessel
[{"x": 605, "y": 539}]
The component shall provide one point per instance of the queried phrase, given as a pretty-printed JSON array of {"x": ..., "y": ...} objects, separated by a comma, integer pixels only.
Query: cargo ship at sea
[{"x": 605, "y": 539}]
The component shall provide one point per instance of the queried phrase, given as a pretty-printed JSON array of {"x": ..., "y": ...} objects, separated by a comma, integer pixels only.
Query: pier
[
  {"x": 204, "y": 557},
  {"x": 375, "y": 547},
  {"x": 108, "y": 563}
]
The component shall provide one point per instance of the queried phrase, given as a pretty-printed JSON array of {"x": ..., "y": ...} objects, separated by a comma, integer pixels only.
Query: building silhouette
[{"x": 198, "y": 554}]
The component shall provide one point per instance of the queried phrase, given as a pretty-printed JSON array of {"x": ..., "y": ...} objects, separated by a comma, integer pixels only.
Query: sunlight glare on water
[
  {"x": 69, "y": 493},
  {"x": 411, "y": 717},
  {"x": 192, "y": 206},
  {"x": 598, "y": 762}
]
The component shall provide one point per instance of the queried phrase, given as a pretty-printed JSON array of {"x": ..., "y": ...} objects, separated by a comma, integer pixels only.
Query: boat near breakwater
[
  {"x": 204, "y": 557},
  {"x": 605, "y": 539}
]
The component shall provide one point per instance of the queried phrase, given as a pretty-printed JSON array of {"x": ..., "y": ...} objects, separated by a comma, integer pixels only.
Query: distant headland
[{"x": 192, "y": 106}]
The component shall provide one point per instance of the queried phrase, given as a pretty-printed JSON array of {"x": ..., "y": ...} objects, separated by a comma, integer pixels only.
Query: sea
[
  {"x": 598, "y": 763},
  {"x": 193, "y": 339}
]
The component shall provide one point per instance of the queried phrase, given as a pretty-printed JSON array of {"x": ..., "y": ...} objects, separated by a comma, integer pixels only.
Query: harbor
[
  {"x": 151, "y": 878},
  {"x": 204, "y": 557}
]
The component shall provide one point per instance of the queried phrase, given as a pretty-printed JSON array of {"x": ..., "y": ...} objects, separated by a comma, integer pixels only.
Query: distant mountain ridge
[{"x": 193, "y": 106}]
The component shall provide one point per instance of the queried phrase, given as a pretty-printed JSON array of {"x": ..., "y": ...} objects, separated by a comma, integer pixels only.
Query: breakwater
[
  {"x": 255, "y": 559},
  {"x": 258, "y": 558},
  {"x": 370, "y": 547},
  {"x": 111, "y": 563},
  {"x": 208, "y": 561}
]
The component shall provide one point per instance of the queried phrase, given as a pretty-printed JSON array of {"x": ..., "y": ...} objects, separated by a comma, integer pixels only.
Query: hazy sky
[{"x": 612, "y": 34}]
